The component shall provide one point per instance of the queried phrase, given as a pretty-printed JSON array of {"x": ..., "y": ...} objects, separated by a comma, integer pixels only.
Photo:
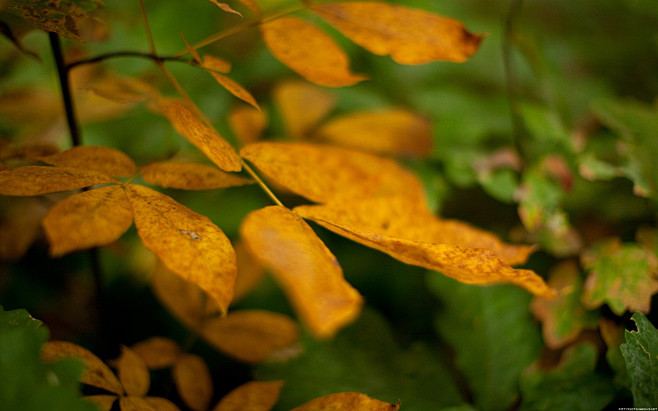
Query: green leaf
[
  {"x": 365, "y": 358},
  {"x": 572, "y": 385},
  {"x": 59, "y": 16},
  {"x": 493, "y": 336},
  {"x": 620, "y": 275},
  {"x": 641, "y": 355},
  {"x": 28, "y": 383}
]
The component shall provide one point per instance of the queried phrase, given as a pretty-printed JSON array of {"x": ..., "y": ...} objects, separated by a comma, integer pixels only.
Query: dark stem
[
  {"x": 120, "y": 54},
  {"x": 510, "y": 74},
  {"x": 63, "y": 74}
]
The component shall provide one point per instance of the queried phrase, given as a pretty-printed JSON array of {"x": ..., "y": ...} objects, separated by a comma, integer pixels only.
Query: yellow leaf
[
  {"x": 88, "y": 219},
  {"x": 133, "y": 374},
  {"x": 410, "y": 36},
  {"x": 325, "y": 173},
  {"x": 302, "y": 105},
  {"x": 20, "y": 226},
  {"x": 234, "y": 88},
  {"x": 247, "y": 123},
  {"x": 104, "y": 402},
  {"x": 188, "y": 123},
  {"x": 214, "y": 63},
  {"x": 96, "y": 373},
  {"x": 193, "y": 381},
  {"x": 250, "y": 272},
  {"x": 161, "y": 404},
  {"x": 157, "y": 352},
  {"x": 305, "y": 268},
  {"x": 394, "y": 131},
  {"x": 133, "y": 403},
  {"x": 190, "y": 176},
  {"x": 252, "y": 396},
  {"x": 104, "y": 160},
  {"x": 124, "y": 90},
  {"x": 225, "y": 7},
  {"x": 252, "y": 335},
  {"x": 457, "y": 255},
  {"x": 346, "y": 401},
  {"x": 309, "y": 51},
  {"x": 188, "y": 243},
  {"x": 36, "y": 180}
]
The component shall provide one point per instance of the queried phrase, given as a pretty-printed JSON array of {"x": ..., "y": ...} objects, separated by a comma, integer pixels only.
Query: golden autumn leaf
[
  {"x": 346, "y": 401},
  {"x": 393, "y": 131},
  {"x": 124, "y": 90},
  {"x": 306, "y": 269},
  {"x": 234, "y": 88},
  {"x": 88, "y": 219},
  {"x": 133, "y": 374},
  {"x": 461, "y": 257},
  {"x": 225, "y": 7},
  {"x": 211, "y": 62},
  {"x": 252, "y": 396},
  {"x": 157, "y": 352},
  {"x": 188, "y": 243},
  {"x": 37, "y": 180},
  {"x": 161, "y": 404},
  {"x": 96, "y": 373},
  {"x": 193, "y": 381},
  {"x": 134, "y": 403},
  {"x": 317, "y": 58},
  {"x": 104, "y": 402},
  {"x": 20, "y": 225},
  {"x": 104, "y": 160},
  {"x": 302, "y": 105},
  {"x": 247, "y": 123},
  {"x": 250, "y": 272},
  {"x": 188, "y": 123},
  {"x": 324, "y": 173},
  {"x": 190, "y": 176},
  {"x": 408, "y": 35}
]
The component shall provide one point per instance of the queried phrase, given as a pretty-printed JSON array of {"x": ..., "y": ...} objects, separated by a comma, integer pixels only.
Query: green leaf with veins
[{"x": 641, "y": 355}]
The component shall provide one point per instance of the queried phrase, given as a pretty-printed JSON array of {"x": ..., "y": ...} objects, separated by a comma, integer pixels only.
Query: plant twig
[
  {"x": 261, "y": 183},
  {"x": 121, "y": 54},
  {"x": 67, "y": 98},
  {"x": 149, "y": 34}
]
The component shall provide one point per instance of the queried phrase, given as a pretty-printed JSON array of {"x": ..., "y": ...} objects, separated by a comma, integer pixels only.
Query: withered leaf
[
  {"x": 225, "y": 7},
  {"x": 188, "y": 243},
  {"x": 190, "y": 176},
  {"x": 157, "y": 352},
  {"x": 104, "y": 160},
  {"x": 88, "y": 219},
  {"x": 193, "y": 128},
  {"x": 193, "y": 381},
  {"x": 459, "y": 260},
  {"x": 347, "y": 401},
  {"x": 393, "y": 131},
  {"x": 252, "y": 396},
  {"x": 247, "y": 123},
  {"x": 324, "y": 173},
  {"x": 36, "y": 180},
  {"x": 96, "y": 372},
  {"x": 234, "y": 88},
  {"x": 409, "y": 36},
  {"x": 133, "y": 374},
  {"x": 302, "y": 105},
  {"x": 317, "y": 58},
  {"x": 307, "y": 271}
]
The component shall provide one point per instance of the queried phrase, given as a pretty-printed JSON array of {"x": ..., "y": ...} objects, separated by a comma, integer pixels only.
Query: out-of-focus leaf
[
  {"x": 252, "y": 396},
  {"x": 190, "y": 176},
  {"x": 20, "y": 225},
  {"x": 365, "y": 357},
  {"x": 324, "y": 173},
  {"x": 347, "y": 401},
  {"x": 96, "y": 373},
  {"x": 640, "y": 353},
  {"x": 124, "y": 90},
  {"x": 88, "y": 219},
  {"x": 157, "y": 352},
  {"x": 613, "y": 336},
  {"x": 161, "y": 404},
  {"x": 226, "y": 7},
  {"x": 133, "y": 374},
  {"x": 573, "y": 385},
  {"x": 134, "y": 403},
  {"x": 307, "y": 271},
  {"x": 188, "y": 243},
  {"x": 102, "y": 401},
  {"x": 409, "y": 36},
  {"x": 250, "y": 272},
  {"x": 216, "y": 64},
  {"x": 318, "y": 58},
  {"x": 253, "y": 335},
  {"x": 198, "y": 132},
  {"x": 14, "y": 32},
  {"x": 493, "y": 335},
  {"x": 451, "y": 248},
  {"x": 247, "y": 123},
  {"x": 62, "y": 16},
  {"x": 37, "y": 180},
  {"x": 193, "y": 381},
  {"x": 394, "y": 131},
  {"x": 564, "y": 317},
  {"x": 620, "y": 275},
  {"x": 234, "y": 88},
  {"x": 302, "y": 105}
]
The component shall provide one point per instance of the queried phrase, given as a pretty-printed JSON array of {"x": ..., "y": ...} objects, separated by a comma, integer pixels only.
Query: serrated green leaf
[
  {"x": 17, "y": 319},
  {"x": 493, "y": 336},
  {"x": 365, "y": 358},
  {"x": 641, "y": 355},
  {"x": 572, "y": 385}
]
